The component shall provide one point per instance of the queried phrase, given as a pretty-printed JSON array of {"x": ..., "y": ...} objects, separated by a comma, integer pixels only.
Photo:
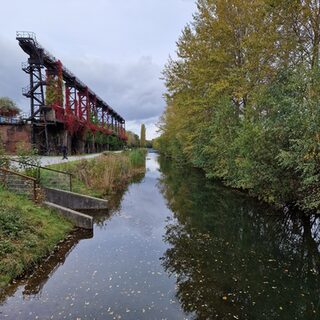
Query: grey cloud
[
  {"x": 151, "y": 127},
  {"x": 133, "y": 89},
  {"x": 12, "y": 78},
  {"x": 111, "y": 53}
]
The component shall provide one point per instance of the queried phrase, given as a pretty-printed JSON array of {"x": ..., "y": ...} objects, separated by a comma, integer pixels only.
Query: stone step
[
  {"x": 79, "y": 219},
  {"x": 17, "y": 184}
]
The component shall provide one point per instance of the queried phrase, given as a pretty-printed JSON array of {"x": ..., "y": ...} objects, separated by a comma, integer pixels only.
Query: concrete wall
[
  {"x": 73, "y": 200},
  {"x": 13, "y": 135},
  {"x": 80, "y": 220},
  {"x": 68, "y": 203}
]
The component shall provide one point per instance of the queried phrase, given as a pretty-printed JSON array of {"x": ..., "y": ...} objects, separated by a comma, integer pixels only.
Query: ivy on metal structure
[{"x": 55, "y": 88}]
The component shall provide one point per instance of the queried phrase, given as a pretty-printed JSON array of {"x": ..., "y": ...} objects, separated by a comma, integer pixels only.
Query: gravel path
[{"x": 48, "y": 160}]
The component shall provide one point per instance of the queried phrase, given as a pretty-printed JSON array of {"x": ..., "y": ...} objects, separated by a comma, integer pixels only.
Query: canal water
[{"x": 177, "y": 246}]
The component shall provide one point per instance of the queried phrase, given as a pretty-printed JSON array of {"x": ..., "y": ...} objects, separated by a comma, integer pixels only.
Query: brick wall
[{"x": 14, "y": 135}]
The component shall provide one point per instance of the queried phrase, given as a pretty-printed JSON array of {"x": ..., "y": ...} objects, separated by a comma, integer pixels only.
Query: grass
[
  {"x": 104, "y": 175},
  {"x": 28, "y": 233}
]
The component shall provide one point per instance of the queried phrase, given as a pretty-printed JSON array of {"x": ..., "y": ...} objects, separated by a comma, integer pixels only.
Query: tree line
[
  {"x": 243, "y": 98},
  {"x": 135, "y": 142}
]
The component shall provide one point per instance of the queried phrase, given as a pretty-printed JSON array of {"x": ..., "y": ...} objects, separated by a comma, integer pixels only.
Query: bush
[
  {"x": 137, "y": 157},
  {"x": 8, "y": 108}
]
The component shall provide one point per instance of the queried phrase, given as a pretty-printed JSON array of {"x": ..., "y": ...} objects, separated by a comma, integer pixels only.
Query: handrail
[
  {"x": 44, "y": 168},
  {"x": 35, "y": 198},
  {"x": 26, "y": 35},
  {"x": 11, "y": 120},
  {"x": 40, "y": 167},
  {"x": 19, "y": 174}
]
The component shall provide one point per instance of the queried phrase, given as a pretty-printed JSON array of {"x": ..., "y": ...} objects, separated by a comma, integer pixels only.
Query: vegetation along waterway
[{"x": 179, "y": 246}]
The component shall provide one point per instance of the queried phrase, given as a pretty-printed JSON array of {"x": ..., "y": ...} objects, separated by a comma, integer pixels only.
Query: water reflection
[
  {"x": 102, "y": 216},
  {"x": 115, "y": 275},
  {"x": 236, "y": 259},
  {"x": 228, "y": 258},
  {"x": 33, "y": 282}
]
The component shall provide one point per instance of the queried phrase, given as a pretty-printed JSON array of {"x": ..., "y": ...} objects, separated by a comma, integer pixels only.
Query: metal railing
[
  {"x": 26, "y": 90},
  {"x": 46, "y": 180},
  {"x": 25, "y": 65},
  {"x": 26, "y": 35},
  {"x": 4, "y": 180},
  {"x": 11, "y": 120}
]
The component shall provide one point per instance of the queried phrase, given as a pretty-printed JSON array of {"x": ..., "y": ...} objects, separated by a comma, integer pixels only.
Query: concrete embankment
[
  {"x": 79, "y": 219},
  {"x": 69, "y": 204}
]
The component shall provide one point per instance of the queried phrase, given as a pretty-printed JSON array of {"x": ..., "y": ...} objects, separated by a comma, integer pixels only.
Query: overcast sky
[{"x": 117, "y": 47}]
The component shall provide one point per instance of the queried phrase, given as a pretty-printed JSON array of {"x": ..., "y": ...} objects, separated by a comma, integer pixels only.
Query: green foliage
[
  {"x": 11, "y": 223},
  {"x": 106, "y": 174},
  {"x": 102, "y": 139},
  {"x": 227, "y": 239},
  {"x": 27, "y": 234},
  {"x": 29, "y": 159},
  {"x": 8, "y": 107},
  {"x": 137, "y": 157},
  {"x": 4, "y": 162},
  {"x": 133, "y": 140},
  {"x": 143, "y": 136},
  {"x": 243, "y": 98},
  {"x": 54, "y": 91},
  {"x": 149, "y": 144},
  {"x": 115, "y": 143}
]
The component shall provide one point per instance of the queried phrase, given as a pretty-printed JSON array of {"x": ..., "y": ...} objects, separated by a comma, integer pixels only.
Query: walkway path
[{"x": 48, "y": 160}]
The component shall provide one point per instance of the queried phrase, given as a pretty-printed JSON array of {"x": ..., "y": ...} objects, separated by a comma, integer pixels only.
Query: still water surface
[{"x": 178, "y": 247}]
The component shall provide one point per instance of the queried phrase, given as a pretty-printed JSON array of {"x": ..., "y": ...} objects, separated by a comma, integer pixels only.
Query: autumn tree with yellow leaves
[{"x": 243, "y": 97}]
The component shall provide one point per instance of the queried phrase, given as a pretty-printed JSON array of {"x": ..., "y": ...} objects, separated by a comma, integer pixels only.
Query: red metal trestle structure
[{"x": 59, "y": 99}]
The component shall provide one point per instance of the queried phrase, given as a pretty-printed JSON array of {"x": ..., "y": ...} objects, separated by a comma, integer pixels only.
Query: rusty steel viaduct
[{"x": 63, "y": 109}]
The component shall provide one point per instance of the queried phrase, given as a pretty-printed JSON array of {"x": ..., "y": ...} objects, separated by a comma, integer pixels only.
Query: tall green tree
[
  {"x": 143, "y": 136},
  {"x": 133, "y": 140},
  {"x": 243, "y": 97}
]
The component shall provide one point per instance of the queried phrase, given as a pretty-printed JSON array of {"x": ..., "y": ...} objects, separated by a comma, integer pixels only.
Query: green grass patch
[{"x": 28, "y": 233}]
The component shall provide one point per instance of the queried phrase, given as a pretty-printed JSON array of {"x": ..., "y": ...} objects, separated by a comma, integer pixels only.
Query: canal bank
[
  {"x": 180, "y": 247},
  {"x": 30, "y": 231}
]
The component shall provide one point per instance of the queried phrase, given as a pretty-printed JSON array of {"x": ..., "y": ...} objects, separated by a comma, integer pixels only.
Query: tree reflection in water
[
  {"x": 33, "y": 282},
  {"x": 101, "y": 217},
  {"x": 235, "y": 258}
]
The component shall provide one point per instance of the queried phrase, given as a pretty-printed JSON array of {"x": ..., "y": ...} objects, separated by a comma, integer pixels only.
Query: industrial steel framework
[{"x": 72, "y": 104}]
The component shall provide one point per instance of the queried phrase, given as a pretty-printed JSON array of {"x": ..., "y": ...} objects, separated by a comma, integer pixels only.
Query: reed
[{"x": 105, "y": 174}]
